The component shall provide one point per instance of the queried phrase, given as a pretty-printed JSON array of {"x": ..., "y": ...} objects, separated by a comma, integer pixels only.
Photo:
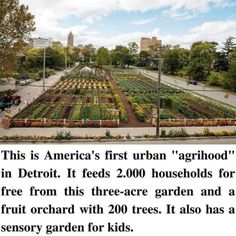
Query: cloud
[
  {"x": 181, "y": 9},
  {"x": 90, "y": 10},
  {"x": 122, "y": 39},
  {"x": 50, "y": 14},
  {"x": 209, "y": 31},
  {"x": 143, "y": 21}
]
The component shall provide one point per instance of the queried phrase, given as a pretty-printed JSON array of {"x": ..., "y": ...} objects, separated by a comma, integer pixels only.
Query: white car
[
  {"x": 25, "y": 82},
  {"x": 22, "y": 82}
]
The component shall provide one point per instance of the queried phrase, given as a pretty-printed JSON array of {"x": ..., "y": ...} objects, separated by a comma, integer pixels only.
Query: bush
[
  {"x": 163, "y": 133},
  {"x": 206, "y": 132},
  {"x": 139, "y": 112},
  {"x": 177, "y": 133},
  {"x": 215, "y": 79},
  {"x": 108, "y": 133},
  {"x": 63, "y": 135},
  {"x": 225, "y": 81}
]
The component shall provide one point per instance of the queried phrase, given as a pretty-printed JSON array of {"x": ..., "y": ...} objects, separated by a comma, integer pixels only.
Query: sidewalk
[{"x": 87, "y": 132}]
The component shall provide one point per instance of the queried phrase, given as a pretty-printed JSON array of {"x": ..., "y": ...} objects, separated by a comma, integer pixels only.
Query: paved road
[{"x": 199, "y": 89}]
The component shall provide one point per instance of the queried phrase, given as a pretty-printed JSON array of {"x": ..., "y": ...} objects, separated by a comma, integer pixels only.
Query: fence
[
  {"x": 63, "y": 123},
  {"x": 115, "y": 123},
  {"x": 196, "y": 122}
]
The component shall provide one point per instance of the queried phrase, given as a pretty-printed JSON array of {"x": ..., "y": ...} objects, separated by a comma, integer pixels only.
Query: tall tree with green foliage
[
  {"x": 171, "y": 61},
  {"x": 88, "y": 51},
  {"x": 232, "y": 75},
  {"x": 120, "y": 56},
  {"x": 201, "y": 60},
  {"x": 133, "y": 51},
  {"x": 175, "y": 59},
  {"x": 229, "y": 45},
  {"x": 55, "y": 58},
  {"x": 102, "y": 56},
  {"x": 16, "y": 23},
  {"x": 143, "y": 59}
]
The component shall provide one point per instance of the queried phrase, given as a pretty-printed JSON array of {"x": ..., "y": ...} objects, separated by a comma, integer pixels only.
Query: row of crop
[
  {"x": 133, "y": 86},
  {"x": 95, "y": 112},
  {"x": 212, "y": 108},
  {"x": 143, "y": 99},
  {"x": 143, "y": 85},
  {"x": 176, "y": 103},
  {"x": 122, "y": 111},
  {"x": 139, "y": 112}
]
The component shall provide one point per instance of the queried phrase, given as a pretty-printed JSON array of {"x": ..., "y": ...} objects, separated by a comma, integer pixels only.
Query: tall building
[
  {"x": 149, "y": 44},
  {"x": 40, "y": 42},
  {"x": 70, "y": 40}
]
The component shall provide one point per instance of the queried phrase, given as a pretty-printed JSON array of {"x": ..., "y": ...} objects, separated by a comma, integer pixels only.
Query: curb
[{"x": 118, "y": 140}]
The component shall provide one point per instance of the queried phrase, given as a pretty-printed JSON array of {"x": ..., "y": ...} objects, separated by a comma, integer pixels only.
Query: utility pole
[
  {"x": 158, "y": 98},
  {"x": 44, "y": 63},
  {"x": 66, "y": 59}
]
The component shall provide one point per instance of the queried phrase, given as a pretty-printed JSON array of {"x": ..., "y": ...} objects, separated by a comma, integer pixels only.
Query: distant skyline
[{"x": 112, "y": 22}]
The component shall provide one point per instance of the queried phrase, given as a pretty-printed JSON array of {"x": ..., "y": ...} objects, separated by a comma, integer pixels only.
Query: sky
[{"x": 117, "y": 22}]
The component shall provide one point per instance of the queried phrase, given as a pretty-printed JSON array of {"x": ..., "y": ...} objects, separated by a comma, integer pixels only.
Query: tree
[
  {"x": 133, "y": 48},
  {"x": 55, "y": 58},
  {"x": 133, "y": 51},
  {"x": 171, "y": 61},
  {"x": 88, "y": 51},
  {"x": 229, "y": 45},
  {"x": 121, "y": 56},
  {"x": 232, "y": 75},
  {"x": 220, "y": 62},
  {"x": 201, "y": 60},
  {"x": 15, "y": 25},
  {"x": 102, "y": 56},
  {"x": 143, "y": 59},
  {"x": 175, "y": 59},
  {"x": 233, "y": 55},
  {"x": 34, "y": 58}
]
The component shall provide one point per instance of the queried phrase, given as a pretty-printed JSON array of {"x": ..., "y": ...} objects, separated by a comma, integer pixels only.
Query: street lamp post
[
  {"x": 159, "y": 57},
  {"x": 158, "y": 98},
  {"x": 66, "y": 61},
  {"x": 44, "y": 69}
]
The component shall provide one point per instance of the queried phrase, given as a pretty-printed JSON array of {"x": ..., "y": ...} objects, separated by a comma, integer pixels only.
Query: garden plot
[
  {"x": 74, "y": 99},
  {"x": 175, "y": 104}
]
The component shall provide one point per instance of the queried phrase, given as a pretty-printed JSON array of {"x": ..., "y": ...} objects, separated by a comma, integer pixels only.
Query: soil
[
  {"x": 47, "y": 112},
  {"x": 196, "y": 108},
  {"x": 177, "y": 115},
  {"x": 110, "y": 100},
  {"x": 102, "y": 100},
  {"x": 57, "y": 99},
  {"x": 81, "y": 111},
  {"x": 66, "y": 112},
  {"x": 73, "y": 99},
  {"x": 132, "y": 119}
]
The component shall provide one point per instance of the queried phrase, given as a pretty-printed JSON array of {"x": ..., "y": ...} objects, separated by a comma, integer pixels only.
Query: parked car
[
  {"x": 193, "y": 82},
  {"x": 25, "y": 82},
  {"x": 22, "y": 82},
  {"x": 8, "y": 101}
]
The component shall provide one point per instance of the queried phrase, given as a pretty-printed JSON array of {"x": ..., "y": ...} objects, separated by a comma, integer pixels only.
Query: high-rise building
[
  {"x": 40, "y": 42},
  {"x": 70, "y": 40},
  {"x": 149, "y": 44}
]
